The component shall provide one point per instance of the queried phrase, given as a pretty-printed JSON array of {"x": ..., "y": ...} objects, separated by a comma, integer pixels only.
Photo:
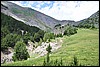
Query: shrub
[
  {"x": 46, "y": 36},
  {"x": 3, "y": 44},
  {"x": 9, "y": 40},
  {"x": 26, "y": 37},
  {"x": 20, "y": 51},
  {"x": 57, "y": 62},
  {"x": 75, "y": 61},
  {"x": 36, "y": 37},
  {"x": 40, "y": 42},
  {"x": 41, "y": 33},
  {"x": 70, "y": 30},
  {"x": 44, "y": 63},
  {"x": 4, "y": 31},
  {"x": 52, "y": 36}
]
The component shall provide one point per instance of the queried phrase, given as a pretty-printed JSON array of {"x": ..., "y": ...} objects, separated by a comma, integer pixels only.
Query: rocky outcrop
[
  {"x": 41, "y": 50},
  {"x": 6, "y": 57}
]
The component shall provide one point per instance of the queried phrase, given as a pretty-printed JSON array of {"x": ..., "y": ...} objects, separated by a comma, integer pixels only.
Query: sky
[{"x": 63, "y": 10}]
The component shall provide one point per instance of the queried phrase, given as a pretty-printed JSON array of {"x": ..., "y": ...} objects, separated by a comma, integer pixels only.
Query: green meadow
[{"x": 84, "y": 45}]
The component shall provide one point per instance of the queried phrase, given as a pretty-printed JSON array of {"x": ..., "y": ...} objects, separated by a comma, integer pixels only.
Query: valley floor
[{"x": 84, "y": 45}]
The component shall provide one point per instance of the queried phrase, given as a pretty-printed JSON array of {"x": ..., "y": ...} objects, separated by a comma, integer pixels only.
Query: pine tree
[
  {"x": 49, "y": 50},
  {"x": 44, "y": 63},
  {"x": 20, "y": 51},
  {"x": 75, "y": 61}
]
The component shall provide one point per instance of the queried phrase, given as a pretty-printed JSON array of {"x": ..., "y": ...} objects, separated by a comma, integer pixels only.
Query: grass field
[{"x": 84, "y": 45}]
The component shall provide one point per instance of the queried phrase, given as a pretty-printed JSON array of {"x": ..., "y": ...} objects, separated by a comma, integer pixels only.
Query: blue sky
[{"x": 63, "y": 10}]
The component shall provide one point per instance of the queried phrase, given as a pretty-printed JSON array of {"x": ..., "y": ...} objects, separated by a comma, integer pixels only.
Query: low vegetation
[{"x": 83, "y": 45}]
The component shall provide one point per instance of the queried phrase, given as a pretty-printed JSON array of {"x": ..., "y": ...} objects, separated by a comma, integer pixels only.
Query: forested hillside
[
  {"x": 14, "y": 29},
  {"x": 91, "y": 22}
]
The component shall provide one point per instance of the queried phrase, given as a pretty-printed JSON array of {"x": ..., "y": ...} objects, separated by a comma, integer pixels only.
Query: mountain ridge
[{"x": 33, "y": 17}]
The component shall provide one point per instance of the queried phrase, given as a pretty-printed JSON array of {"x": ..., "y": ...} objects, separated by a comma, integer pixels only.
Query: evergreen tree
[
  {"x": 46, "y": 36},
  {"x": 20, "y": 51},
  {"x": 49, "y": 50},
  {"x": 36, "y": 37},
  {"x": 41, "y": 33},
  {"x": 4, "y": 31},
  {"x": 75, "y": 61},
  {"x": 26, "y": 37},
  {"x": 9, "y": 40},
  {"x": 44, "y": 63}
]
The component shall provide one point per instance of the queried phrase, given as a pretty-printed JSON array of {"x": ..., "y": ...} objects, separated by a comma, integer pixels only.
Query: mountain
[
  {"x": 14, "y": 26},
  {"x": 35, "y": 18},
  {"x": 22, "y": 23},
  {"x": 93, "y": 20},
  {"x": 30, "y": 16}
]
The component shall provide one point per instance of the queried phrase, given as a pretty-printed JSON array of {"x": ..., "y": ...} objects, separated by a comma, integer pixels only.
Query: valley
[
  {"x": 84, "y": 45},
  {"x": 31, "y": 38}
]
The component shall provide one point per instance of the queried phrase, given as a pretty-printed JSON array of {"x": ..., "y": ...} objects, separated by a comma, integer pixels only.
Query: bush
[
  {"x": 26, "y": 37},
  {"x": 59, "y": 62},
  {"x": 44, "y": 62},
  {"x": 3, "y": 44},
  {"x": 70, "y": 31},
  {"x": 4, "y": 31},
  {"x": 40, "y": 42},
  {"x": 20, "y": 51},
  {"x": 52, "y": 36},
  {"x": 53, "y": 63},
  {"x": 46, "y": 36},
  {"x": 41, "y": 33},
  {"x": 36, "y": 37},
  {"x": 9, "y": 40},
  {"x": 75, "y": 61},
  {"x": 59, "y": 35}
]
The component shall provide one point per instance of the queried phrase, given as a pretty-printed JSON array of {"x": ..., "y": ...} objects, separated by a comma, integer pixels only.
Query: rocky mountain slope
[
  {"x": 93, "y": 20},
  {"x": 28, "y": 15},
  {"x": 34, "y": 18},
  {"x": 31, "y": 16}
]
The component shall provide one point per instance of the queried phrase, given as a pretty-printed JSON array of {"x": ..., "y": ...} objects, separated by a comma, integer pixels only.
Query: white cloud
[
  {"x": 66, "y": 10},
  {"x": 85, "y": 10},
  {"x": 17, "y": 2}
]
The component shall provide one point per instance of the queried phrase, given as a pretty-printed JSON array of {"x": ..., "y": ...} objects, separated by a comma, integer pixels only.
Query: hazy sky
[{"x": 63, "y": 10}]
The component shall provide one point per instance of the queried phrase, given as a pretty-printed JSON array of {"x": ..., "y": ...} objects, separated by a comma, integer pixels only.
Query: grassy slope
[{"x": 84, "y": 44}]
